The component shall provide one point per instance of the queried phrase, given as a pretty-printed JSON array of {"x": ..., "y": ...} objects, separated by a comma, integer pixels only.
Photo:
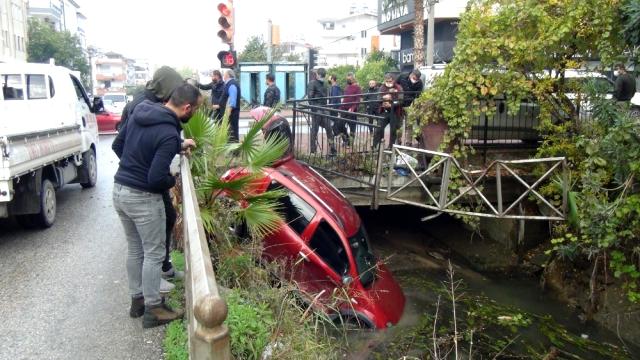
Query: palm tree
[
  {"x": 215, "y": 155},
  {"x": 418, "y": 34}
]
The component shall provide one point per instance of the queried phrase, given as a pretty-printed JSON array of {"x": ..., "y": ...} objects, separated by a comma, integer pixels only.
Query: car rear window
[
  {"x": 297, "y": 212},
  {"x": 12, "y": 86}
]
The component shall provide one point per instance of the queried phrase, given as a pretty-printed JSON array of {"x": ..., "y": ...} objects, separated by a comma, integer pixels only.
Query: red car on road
[
  {"x": 324, "y": 248},
  {"x": 108, "y": 122}
]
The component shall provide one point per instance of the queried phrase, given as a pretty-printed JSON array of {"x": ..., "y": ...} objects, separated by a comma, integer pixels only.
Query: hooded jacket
[{"x": 152, "y": 140}]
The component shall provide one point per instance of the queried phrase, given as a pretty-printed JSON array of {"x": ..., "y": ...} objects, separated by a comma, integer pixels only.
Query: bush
[{"x": 250, "y": 325}]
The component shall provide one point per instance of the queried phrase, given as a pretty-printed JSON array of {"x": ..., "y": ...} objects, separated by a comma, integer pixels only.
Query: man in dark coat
[
  {"x": 158, "y": 90},
  {"x": 625, "y": 87},
  {"x": 216, "y": 86},
  {"x": 143, "y": 176},
  {"x": 272, "y": 94},
  {"x": 317, "y": 94}
]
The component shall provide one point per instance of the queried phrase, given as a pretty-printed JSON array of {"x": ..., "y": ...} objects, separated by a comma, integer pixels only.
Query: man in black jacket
[
  {"x": 317, "y": 93},
  {"x": 152, "y": 141},
  {"x": 216, "y": 86},
  {"x": 272, "y": 94},
  {"x": 158, "y": 90},
  {"x": 625, "y": 85}
]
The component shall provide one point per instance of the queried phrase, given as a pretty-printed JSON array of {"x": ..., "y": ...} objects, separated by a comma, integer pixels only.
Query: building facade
[
  {"x": 61, "y": 15},
  {"x": 109, "y": 73},
  {"x": 13, "y": 27},
  {"x": 396, "y": 17},
  {"x": 350, "y": 39}
]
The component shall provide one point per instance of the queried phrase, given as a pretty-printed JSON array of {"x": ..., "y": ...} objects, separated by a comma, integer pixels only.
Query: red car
[
  {"x": 108, "y": 122},
  {"x": 325, "y": 249}
]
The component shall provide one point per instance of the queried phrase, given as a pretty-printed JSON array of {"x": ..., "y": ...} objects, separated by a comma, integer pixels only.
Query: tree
[
  {"x": 254, "y": 51},
  {"x": 376, "y": 66},
  {"x": 45, "y": 43},
  {"x": 341, "y": 72},
  {"x": 377, "y": 55},
  {"x": 418, "y": 34}
]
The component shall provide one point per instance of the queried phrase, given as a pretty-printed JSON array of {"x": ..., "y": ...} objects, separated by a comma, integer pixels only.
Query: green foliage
[
  {"x": 254, "y": 51},
  {"x": 631, "y": 21},
  {"x": 378, "y": 55},
  {"x": 341, "y": 72},
  {"x": 45, "y": 43},
  {"x": 373, "y": 70},
  {"x": 175, "y": 341},
  {"x": 249, "y": 325}
]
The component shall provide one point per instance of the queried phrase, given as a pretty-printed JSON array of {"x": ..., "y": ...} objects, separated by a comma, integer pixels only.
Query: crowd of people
[{"x": 387, "y": 101}]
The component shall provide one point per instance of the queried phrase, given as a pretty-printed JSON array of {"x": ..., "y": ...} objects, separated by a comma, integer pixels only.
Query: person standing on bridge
[
  {"x": 152, "y": 141},
  {"x": 317, "y": 95},
  {"x": 625, "y": 87},
  {"x": 216, "y": 86},
  {"x": 230, "y": 103},
  {"x": 272, "y": 94}
]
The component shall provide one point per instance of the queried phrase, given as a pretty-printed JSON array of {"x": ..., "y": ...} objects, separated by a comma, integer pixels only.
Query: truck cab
[{"x": 48, "y": 138}]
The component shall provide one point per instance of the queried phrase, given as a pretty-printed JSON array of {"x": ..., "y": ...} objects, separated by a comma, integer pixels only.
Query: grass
[{"x": 176, "y": 340}]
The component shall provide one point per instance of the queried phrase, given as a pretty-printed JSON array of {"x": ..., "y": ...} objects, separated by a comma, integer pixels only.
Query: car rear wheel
[
  {"x": 90, "y": 169},
  {"x": 47, "y": 215}
]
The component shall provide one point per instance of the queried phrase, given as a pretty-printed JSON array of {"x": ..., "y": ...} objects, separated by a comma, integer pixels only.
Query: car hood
[{"x": 386, "y": 297}]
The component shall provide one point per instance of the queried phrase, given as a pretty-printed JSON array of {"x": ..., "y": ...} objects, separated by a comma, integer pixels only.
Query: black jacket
[
  {"x": 271, "y": 96},
  {"x": 625, "y": 87},
  {"x": 216, "y": 91},
  {"x": 371, "y": 95},
  {"x": 118, "y": 142},
  {"x": 152, "y": 141},
  {"x": 316, "y": 89},
  {"x": 412, "y": 90}
]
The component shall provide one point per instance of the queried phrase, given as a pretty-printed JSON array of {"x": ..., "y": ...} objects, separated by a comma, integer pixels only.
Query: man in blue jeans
[{"x": 152, "y": 141}]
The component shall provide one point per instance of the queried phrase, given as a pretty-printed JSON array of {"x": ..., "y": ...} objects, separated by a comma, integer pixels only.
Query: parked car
[
  {"x": 324, "y": 248},
  {"x": 108, "y": 122}
]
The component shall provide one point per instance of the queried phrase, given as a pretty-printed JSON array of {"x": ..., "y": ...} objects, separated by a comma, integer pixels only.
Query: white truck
[{"x": 48, "y": 138}]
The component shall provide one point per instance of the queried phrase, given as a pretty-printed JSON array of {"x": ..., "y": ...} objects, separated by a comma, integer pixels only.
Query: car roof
[
  {"x": 324, "y": 193},
  {"x": 31, "y": 68}
]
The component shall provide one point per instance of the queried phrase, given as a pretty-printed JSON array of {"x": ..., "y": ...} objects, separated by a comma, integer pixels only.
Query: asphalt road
[{"x": 63, "y": 291}]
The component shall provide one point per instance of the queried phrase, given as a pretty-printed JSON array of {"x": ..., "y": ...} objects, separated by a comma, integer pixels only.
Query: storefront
[
  {"x": 289, "y": 78},
  {"x": 396, "y": 17}
]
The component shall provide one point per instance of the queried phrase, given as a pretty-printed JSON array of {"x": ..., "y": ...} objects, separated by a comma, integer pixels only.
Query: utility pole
[
  {"x": 430, "y": 32},
  {"x": 269, "y": 40}
]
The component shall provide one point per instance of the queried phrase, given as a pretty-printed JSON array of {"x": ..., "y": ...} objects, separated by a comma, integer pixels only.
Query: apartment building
[{"x": 13, "y": 27}]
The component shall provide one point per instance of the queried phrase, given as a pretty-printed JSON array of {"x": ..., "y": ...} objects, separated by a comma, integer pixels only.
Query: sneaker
[
  {"x": 173, "y": 274},
  {"x": 160, "y": 314},
  {"x": 165, "y": 286},
  {"x": 137, "y": 307}
]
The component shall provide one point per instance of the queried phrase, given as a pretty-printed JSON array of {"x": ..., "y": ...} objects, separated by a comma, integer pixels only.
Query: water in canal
[{"x": 511, "y": 318}]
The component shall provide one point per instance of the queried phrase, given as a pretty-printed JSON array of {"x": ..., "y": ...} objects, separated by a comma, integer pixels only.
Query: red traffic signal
[
  {"x": 227, "y": 59},
  {"x": 225, "y": 20}
]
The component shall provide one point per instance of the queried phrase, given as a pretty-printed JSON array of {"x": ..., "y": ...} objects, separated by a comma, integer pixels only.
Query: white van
[{"x": 48, "y": 138}]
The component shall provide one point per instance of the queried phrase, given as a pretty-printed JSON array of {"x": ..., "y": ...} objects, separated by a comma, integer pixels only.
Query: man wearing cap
[{"x": 158, "y": 90}]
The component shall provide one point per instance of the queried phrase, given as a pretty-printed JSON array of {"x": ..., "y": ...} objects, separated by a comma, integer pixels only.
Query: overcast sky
[{"x": 183, "y": 33}]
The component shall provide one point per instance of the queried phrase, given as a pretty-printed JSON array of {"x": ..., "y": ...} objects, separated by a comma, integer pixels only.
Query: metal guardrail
[
  {"x": 206, "y": 310},
  {"x": 447, "y": 202}
]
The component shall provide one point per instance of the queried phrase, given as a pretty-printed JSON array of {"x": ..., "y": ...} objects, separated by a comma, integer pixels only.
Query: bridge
[{"x": 499, "y": 181}]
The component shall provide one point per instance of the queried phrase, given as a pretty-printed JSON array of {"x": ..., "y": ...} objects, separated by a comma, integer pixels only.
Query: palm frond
[
  {"x": 267, "y": 196},
  {"x": 267, "y": 152},
  {"x": 248, "y": 146},
  {"x": 214, "y": 183},
  {"x": 262, "y": 218}
]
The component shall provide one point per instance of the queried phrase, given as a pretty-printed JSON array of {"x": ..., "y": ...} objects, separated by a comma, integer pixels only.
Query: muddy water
[{"x": 496, "y": 317}]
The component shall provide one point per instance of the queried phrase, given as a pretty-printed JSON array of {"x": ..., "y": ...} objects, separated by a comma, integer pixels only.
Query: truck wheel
[
  {"x": 47, "y": 215},
  {"x": 90, "y": 168}
]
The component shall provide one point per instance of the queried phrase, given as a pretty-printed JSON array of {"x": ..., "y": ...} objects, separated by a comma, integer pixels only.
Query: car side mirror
[{"x": 347, "y": 280}]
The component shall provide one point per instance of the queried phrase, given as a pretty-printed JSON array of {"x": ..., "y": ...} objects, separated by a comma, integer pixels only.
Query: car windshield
[
  {"x": 115, "y": 98},
  {"x": 365, "y": 261}
]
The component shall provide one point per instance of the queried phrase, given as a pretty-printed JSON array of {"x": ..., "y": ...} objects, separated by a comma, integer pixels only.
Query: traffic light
[
  {"x": 313, "y": 58},
  {"x": 226, "y": 22},
  {"x": 227, "y": 59}
]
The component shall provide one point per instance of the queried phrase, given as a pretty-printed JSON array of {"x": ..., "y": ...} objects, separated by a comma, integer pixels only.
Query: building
[
  {"x": 396, "y": 18},
  {"x": 62, "y": 15},
  {"x": 13, "y": 24},
  {"x": 142, "y": 72},
  {"x": 109, "y": 73},
  {"x": 348, "y": 40}
]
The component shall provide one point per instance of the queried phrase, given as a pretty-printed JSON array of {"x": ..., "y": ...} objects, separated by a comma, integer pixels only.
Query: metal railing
[
  {"x": 443, "y": 166},
  {"x": 502, "y": 129},
  {"x": 342, "y": 143},
  {"x": 206, "y": 310}
]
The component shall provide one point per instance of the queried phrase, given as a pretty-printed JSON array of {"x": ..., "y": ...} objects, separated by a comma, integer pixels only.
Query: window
[
  {"x": 326, "y": 243},
  {"x": 12, "y": 87},
  {"x": 365, "y": 261},
  {"x": 329, "y": 26},
  {"x": 363, "y": 34},
  {"x": 82, "y": 96},
  {"x": 363, "y": 52},
  {"x": 36, "y": 87},
  {"x": 297, "y": 212}
]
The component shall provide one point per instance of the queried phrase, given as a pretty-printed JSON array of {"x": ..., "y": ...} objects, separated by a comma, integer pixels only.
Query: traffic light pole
[{"x": 269, "y": 41}]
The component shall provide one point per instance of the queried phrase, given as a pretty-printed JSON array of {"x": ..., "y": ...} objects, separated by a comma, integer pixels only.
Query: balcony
[{"x": 110, "y": 77}]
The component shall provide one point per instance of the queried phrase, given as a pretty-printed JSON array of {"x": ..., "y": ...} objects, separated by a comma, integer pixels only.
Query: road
[{"x": 63, "y": 291}]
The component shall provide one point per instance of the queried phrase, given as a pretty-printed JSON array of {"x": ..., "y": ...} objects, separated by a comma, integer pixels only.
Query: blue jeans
[{"x": 143, "y": 218}]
